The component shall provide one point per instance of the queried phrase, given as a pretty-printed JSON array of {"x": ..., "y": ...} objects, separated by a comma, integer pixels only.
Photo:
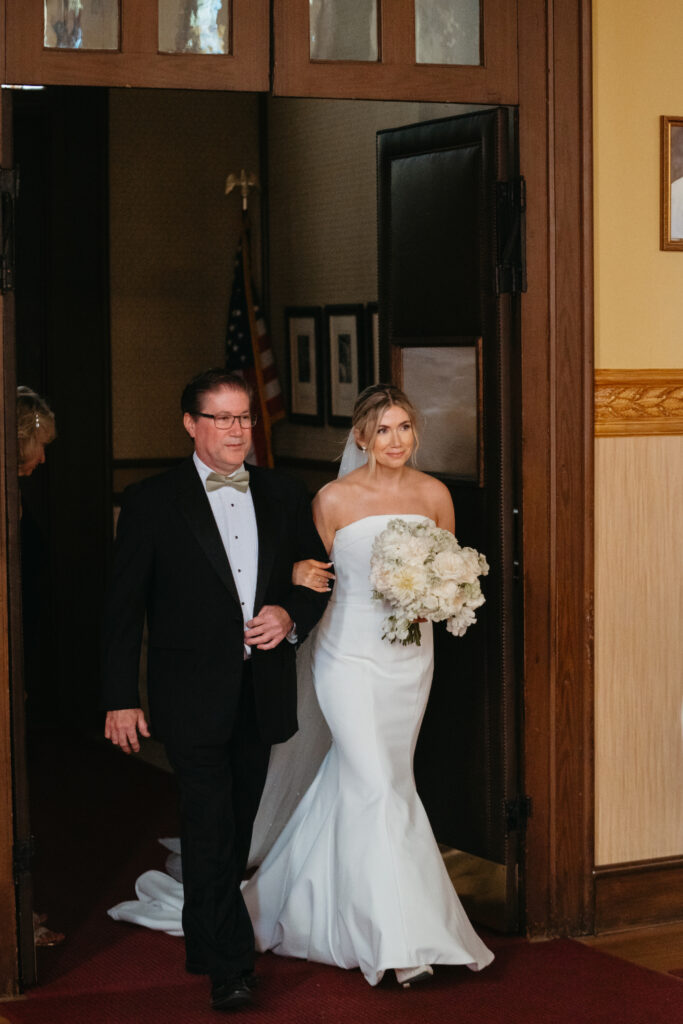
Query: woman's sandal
[{"x": 407, "y": 976}]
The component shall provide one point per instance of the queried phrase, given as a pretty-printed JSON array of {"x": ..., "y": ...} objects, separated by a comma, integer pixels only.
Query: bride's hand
[{"x": 312, "y": 574}]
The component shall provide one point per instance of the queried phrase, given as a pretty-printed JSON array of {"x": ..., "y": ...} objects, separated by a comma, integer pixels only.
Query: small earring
[{"x": 363, "y": 447}]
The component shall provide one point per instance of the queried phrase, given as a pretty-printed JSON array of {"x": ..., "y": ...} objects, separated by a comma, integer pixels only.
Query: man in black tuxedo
[{"x": 205, "y": 552}]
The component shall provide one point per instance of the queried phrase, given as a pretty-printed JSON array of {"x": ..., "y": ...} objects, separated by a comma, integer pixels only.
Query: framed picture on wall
[
  {"x": 346, "y": 367},
  {"x": 451, "y": 430},
  {"x": 372, "y": 342},
  {"x": 671, "y": 233},
  {"x": 303, "y": 333}
]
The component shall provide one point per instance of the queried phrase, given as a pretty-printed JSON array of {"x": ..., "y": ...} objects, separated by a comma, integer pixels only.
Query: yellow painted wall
[{"x": 638, "y": 75}]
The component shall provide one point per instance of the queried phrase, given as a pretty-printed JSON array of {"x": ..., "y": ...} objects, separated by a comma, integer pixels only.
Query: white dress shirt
[{"x": 236, "y": 522}]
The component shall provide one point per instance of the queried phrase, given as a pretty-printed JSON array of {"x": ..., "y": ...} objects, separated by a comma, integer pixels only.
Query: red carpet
[{"x": 101, "y": 830}]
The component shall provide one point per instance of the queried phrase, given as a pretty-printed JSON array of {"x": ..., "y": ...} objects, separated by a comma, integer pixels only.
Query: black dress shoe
[{"x": 231, "y": 995}]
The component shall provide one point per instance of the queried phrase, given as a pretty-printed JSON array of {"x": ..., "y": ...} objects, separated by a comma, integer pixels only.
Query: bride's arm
[
  {"x": 444, "y": 515},
  {"x": 312, "y": 574},
  {"x": 325, "y": 513}
]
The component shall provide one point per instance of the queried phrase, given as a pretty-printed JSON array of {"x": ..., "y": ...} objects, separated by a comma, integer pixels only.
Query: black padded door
[{"x": 443, "y": 268}]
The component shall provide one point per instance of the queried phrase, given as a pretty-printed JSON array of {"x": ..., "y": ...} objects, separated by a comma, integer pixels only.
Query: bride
[{"x": 355, "y": 878}]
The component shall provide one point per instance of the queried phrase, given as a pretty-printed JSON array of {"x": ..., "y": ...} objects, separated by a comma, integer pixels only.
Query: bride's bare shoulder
[
  {"x": 434, "y": 496},
  {"x": 428, "y": 485},
  {"x": 335, "y": 494},
  {"x": 341, "y": 488},
  {"x": 332, "y": 505}
]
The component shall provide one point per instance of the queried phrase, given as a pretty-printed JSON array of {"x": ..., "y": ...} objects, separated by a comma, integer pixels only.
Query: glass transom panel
[
  {"x": 343, "y": 30},
  {"x": 81, "y": 24},
  {"x": 447, "y": 32},
  {"x": 194, "y": 26}
]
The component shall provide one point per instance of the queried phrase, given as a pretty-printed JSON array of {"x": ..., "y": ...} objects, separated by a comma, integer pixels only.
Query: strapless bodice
[{"x": 351, "y": 553}]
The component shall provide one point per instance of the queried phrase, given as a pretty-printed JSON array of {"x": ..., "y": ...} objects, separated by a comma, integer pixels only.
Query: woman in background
[{"x": 35, "y": 429}]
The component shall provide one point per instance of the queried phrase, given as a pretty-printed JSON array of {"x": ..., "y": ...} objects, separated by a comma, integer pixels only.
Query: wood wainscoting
[
  {"x": 638, "y": 648},
  {"x": 637, "y": 894}
]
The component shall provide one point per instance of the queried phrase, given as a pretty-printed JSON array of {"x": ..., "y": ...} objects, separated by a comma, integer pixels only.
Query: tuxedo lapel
[
  {"x": 266, "y": 525},
  {"x": 194, "y": 504}
]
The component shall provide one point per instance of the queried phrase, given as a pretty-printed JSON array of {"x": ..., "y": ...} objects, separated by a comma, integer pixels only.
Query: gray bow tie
[{"x": 239, "y": 480}]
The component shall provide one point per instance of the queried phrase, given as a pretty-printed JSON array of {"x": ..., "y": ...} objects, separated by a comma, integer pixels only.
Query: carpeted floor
[{"x": 97, "y": 816}]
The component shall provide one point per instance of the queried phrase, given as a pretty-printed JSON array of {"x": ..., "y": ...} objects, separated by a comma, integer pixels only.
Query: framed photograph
[
  {"x": 303, "y": 333},
  {"x": 451, "y": 422},
  {"x": 345, "y": 361},
  {"x": 372, "y": 342},
  {"x": 671, "y": 236}
]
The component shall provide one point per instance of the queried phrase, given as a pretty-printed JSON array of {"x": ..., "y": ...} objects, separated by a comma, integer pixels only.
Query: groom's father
[{"x": 205, "y": 552}]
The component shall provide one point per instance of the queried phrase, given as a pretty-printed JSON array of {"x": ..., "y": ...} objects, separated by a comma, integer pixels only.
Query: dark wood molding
[
  {"x": 641, "y": 893},
  {"x": 554, "y": 83},
  {"x": 138, "y": 62},
  {"x": 396, "y": 74},
  {"x": 557, "y": 464}
]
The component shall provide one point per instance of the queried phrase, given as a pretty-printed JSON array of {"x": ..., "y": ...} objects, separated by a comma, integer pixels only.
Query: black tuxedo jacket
[{"x": 170, "y": 565}]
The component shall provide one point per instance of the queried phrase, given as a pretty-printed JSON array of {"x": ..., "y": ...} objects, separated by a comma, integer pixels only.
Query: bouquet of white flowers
[{"x": 423, "y": 573}]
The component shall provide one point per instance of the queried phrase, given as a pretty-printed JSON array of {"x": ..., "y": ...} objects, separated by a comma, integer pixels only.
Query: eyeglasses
[{"x": 225, "y": 420}]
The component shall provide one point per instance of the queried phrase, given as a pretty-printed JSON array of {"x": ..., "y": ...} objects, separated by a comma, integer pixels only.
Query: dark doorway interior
[{"x": 62, "y": 340}]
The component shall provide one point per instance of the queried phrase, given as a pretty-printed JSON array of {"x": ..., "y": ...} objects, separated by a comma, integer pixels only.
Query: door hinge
[
  {"x": 9, "y": 190},
  {"x": 22, "y": 854},
  {"x": 511, "y": 231},
  {"x": 516, "y": 547},
  {"x": 517, "y": 813}
]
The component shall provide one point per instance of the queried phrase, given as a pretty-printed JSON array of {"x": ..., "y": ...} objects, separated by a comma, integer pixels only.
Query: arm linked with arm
[{"x": 305, "y": 606}]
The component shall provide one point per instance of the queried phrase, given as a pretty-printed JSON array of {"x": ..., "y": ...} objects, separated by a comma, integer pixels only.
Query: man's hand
[
  {"x": 122, "y": 727},
  {"x": 268, "y": 628}
]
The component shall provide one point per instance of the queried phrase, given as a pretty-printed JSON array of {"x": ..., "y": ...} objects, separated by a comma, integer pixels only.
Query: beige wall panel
[
  {"x": 638, "y": 648},
  {"x": 173, "y": 240}
]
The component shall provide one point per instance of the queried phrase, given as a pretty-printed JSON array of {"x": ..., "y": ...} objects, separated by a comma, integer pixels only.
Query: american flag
[{"x": 247, "y": 339}]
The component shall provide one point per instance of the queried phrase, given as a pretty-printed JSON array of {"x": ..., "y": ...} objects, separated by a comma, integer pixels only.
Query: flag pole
[
  {"x": 260, "y": 387},
  {"x": 246, "y": 181}
]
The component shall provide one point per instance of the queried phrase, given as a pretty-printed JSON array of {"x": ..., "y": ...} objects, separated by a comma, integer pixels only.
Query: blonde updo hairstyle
[
  {"x": 368, "y": 411},
  {"x": 35, "y": 424}
]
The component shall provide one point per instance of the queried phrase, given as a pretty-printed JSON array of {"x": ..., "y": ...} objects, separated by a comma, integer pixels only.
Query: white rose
[
  {"x": 448, "y": 594},
  {"x": 450, "y": 565},
  {"x": 430, "y": 602},
  {"x": 458, "y": 624}
]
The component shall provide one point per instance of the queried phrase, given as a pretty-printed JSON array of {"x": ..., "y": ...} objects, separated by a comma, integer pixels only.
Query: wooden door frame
[
  {"x": 556, "y": 142},
  {"x": 555, "y": 118}
]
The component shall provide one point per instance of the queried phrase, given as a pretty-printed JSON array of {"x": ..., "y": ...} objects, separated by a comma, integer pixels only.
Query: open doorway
[{"x": 128, "y": 185}]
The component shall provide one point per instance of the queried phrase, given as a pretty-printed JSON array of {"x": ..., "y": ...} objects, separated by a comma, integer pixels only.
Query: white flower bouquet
[{"x": 423, "y": 573}]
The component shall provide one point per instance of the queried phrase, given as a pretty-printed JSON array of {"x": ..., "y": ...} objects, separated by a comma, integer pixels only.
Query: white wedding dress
[{"x": 356, "y": 878}]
